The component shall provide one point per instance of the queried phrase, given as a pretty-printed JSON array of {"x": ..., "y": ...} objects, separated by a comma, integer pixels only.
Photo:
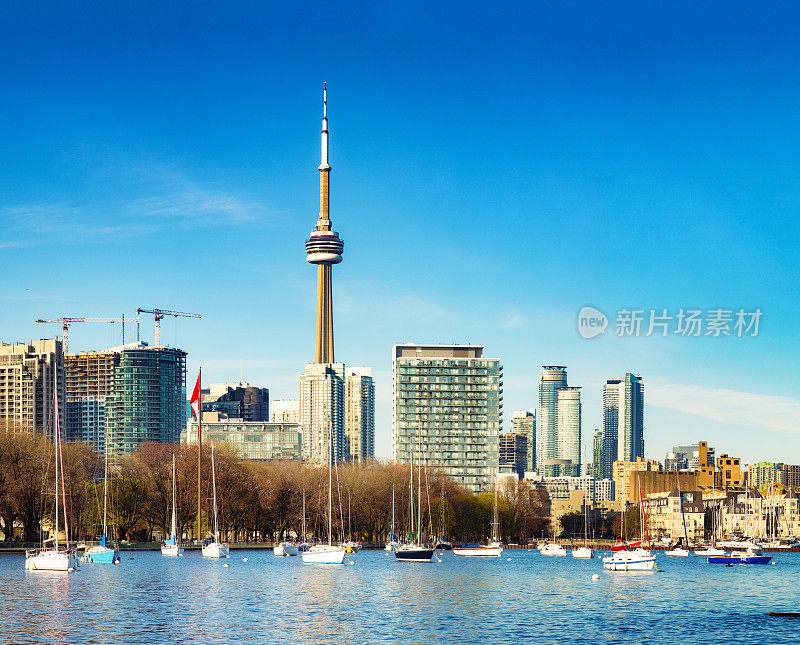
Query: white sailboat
[
  {"x": 494, "y": 548},
  {"x": 329, "y": 553},
  {"x": 584, "y": 552},
  {"x": 170, "y": 545},
  {"x": 392, "y": 544},
  {"x": 212, "y": 547},
  {"x": 52, "y": 557}
]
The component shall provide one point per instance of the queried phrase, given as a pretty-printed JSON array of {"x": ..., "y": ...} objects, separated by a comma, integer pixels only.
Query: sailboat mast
[
  {"x": 174, "y": 505},
  {"x": 683, "y": 517},
  {"x": 304, "y": 516},
  {"x": 391, "y": 537},
  {"x": 496, "y": 516},
  {"x": 411, "y": 491},
  {"x": 60, "y": 455},
  {"x": 214, "y": 488},
  {"x": 105, "y": 494},
  {"x": 199, "y": 455},
  {"x": 55, "y": 400},
  {"x": 419, "y": 486},
  {"x": 330, "y": 483}
]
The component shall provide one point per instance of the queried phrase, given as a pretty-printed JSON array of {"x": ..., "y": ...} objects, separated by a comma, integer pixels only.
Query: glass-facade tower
[
  {"x": 149, "y": 399},
  {"x": 551, "y": 378}
]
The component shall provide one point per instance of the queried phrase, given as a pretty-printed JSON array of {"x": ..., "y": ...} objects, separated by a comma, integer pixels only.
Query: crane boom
[
  {"x": 66, "y": 322},
  {"x": 158, "y": 314}
]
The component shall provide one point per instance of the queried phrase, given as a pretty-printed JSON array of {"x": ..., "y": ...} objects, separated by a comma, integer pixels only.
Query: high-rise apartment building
[
  {"x": 237, "y": 401},
  {"x": 285, "y": 411},
  {"x": 568, "y": 431},
  {"x": 623, "y": 421},
  {"x": 28, "y": 374},
  {"x": 359, "y": 422},
  {"x": 524, "y": 422},
  {"x": 764, "y": 473},
  {"x": 322, "y": 412},
  {"x": 551, "y": 379},
  {"x": 558, "y": 426},
  {"x": 447, "y": 409},
  {"x": 791, "y": 475},
  {"x": 149, "y": 398},
  {"x": 514, "y": 452},
  {"x": 597, "y": 454}
]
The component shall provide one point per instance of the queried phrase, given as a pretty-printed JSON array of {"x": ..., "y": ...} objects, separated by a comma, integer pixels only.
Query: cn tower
[{"x": 324, "y": 248}]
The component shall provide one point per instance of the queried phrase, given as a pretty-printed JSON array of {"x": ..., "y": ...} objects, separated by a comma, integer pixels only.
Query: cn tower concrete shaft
[{"x": 324, "y": 248}]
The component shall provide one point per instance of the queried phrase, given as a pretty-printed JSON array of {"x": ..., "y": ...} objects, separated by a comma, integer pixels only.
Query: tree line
[{"x": 256, "y": 501}]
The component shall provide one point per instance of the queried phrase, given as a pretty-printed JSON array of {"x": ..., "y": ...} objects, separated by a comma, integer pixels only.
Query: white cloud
[{"x": 776, "y": 413}]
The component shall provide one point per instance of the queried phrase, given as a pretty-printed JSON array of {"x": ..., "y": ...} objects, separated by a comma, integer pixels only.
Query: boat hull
[
  {"x": 630, "y": 562},
  {"x": 323, "y": 554},
  {"x": 51, "y": 561},
  {"x": 285, "y": 549},
  {"x": 740, "y": 559},
  {"x": 101, "y": 555},
  {"x": 171, "y": 549},
  {"x": 584, "y": 553},
  {"x": 215, "y": 550},
  {"x": 553, "y": 549},
  {"x": 413, "y": 554},
  {"x": 704, "y": 553},
  {"x": 479, "y": 551},
  {"x": 677, "y": 553}
]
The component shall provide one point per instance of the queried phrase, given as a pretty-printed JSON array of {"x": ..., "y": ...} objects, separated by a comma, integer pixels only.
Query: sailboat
[
  {"x": 212, "y": 547},
  {"x": 584, "y": 552},
  {"x": 101, "y": 553},
  {"x": 350, "y": 546},
  {"x": 680, "y": 552},
  {"x": 623, "y": 559},
  {"x": 415, "y": 551},
  {"x": 304, "y": 545},
  {"x": 495, "y": 547},
  {"x": 171, "y": 546},
  {"x": 392, "y": 544},
  {"x": 329, "y": 553},
  {"x": 52, "y": 557}
]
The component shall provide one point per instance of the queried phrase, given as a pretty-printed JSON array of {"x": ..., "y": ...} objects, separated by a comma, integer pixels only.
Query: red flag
[{"x": 196, "y": 399}]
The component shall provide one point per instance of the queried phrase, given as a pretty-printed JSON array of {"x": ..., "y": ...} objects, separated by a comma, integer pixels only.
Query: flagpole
[{"x": 199, "y": 453}]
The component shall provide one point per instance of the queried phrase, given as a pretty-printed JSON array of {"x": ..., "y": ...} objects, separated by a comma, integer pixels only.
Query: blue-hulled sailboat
[{"x": 102, "y": 553}]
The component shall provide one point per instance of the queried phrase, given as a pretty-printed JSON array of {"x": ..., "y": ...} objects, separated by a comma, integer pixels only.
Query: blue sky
[{"x": 495, "y": 169}]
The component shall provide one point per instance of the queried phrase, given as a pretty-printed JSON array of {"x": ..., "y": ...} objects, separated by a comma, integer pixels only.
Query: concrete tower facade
[
  {"x": 322, "y": 387},
  {"x": 324, "y": 248}
]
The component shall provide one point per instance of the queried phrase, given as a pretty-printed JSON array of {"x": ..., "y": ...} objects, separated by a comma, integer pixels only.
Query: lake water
[{"x": 152, "y": 599}]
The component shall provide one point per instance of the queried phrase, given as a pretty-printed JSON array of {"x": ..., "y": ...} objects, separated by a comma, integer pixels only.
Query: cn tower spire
[
  {"x": 324, "y": 161},
  {"x": 324, "y": 248}
]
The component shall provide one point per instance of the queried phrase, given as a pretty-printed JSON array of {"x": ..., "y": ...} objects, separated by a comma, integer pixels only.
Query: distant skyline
[{"x": 495, "y": 170}]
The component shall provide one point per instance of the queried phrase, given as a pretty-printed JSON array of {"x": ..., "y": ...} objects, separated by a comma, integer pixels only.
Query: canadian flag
[{"x": 195, "y": 400}]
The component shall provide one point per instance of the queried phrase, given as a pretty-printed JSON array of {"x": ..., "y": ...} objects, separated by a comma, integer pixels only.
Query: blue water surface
[{"x": 148, "y": 598}]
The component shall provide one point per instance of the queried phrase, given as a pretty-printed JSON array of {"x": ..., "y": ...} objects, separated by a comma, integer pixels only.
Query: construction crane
[
  {"x": 159, "y": 314},
  {"x": 66, "y": 322}
]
